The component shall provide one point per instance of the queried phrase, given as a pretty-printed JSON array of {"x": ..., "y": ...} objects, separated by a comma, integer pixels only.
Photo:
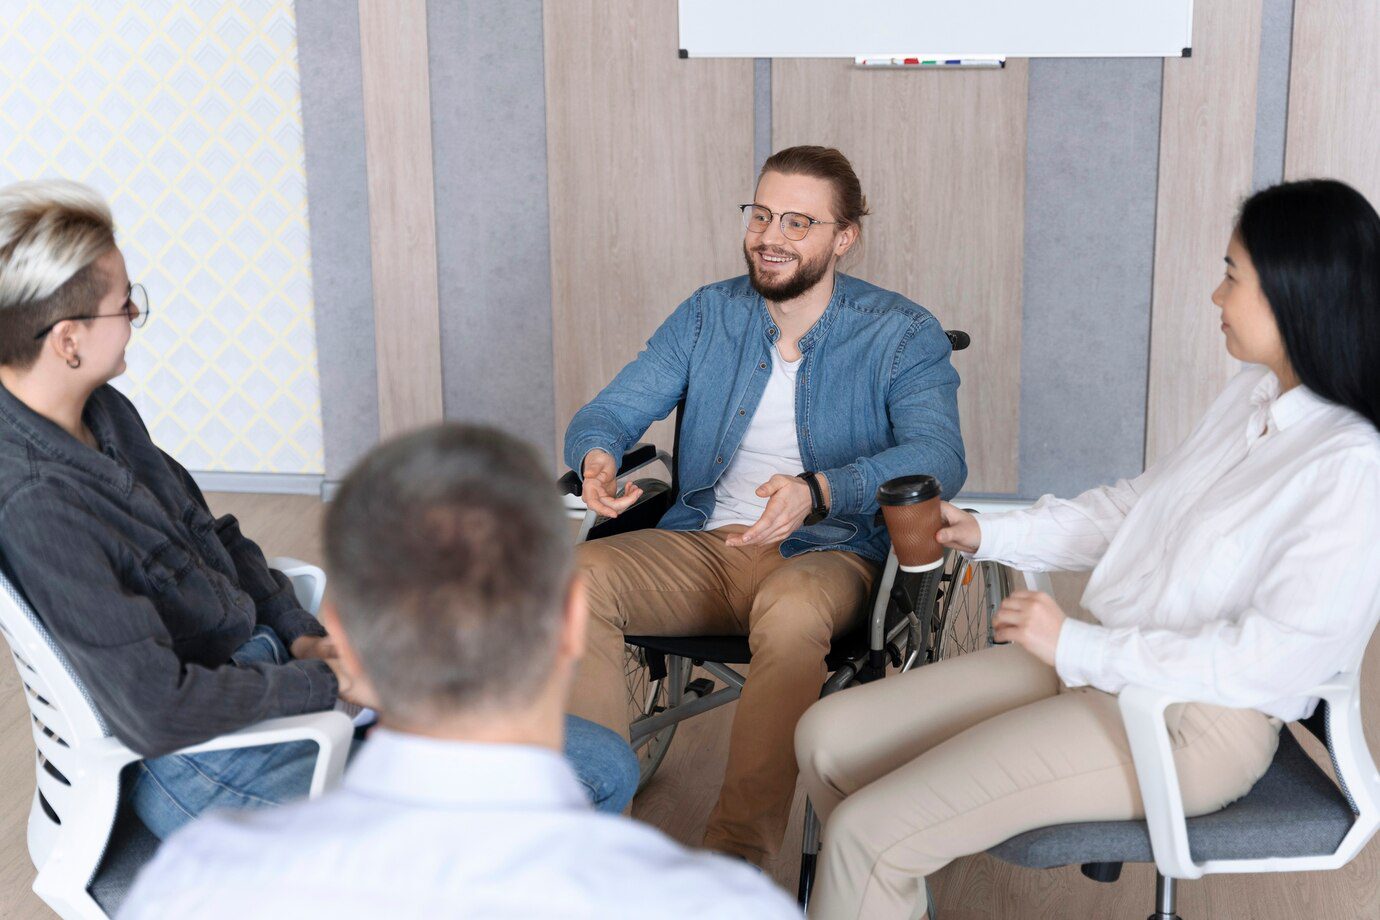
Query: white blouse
[{"x": 1241, "y": 570}]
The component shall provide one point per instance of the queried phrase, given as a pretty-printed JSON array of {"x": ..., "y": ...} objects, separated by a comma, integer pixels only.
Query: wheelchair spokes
[
  {"x": 649, "y": 694},
  {"x": 972, "y": 592}
]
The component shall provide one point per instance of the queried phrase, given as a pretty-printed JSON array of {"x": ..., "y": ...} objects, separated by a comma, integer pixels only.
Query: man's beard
[{"x": 806, "y": 276}]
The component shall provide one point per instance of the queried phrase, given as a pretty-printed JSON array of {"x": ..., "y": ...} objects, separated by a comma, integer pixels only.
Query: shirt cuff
[
  {"x": 1001, "y": 533},
  {"x": 582, "y": 449},
  {"x": 845, "y": 490},
  {"x": 291, "y": 625},
  {"x": 322, "y": 687},
  {"x": 1079, "y": 654}
]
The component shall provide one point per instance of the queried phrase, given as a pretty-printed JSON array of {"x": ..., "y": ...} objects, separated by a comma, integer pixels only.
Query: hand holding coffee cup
[
  {"x": 910, "y": 507},
  {"x": 961, "y": 530}
]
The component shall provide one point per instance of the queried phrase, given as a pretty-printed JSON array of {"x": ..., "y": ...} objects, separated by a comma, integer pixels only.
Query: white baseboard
[{"x": 270, "y": 483}]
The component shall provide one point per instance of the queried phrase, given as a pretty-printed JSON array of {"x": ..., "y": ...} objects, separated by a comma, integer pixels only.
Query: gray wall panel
[
  {"x": 488, "y": 111},
  {"x": 1272, "y": 92},
  {"x": 1091, "y": 180},
  {"x": 338, "y": 209}
]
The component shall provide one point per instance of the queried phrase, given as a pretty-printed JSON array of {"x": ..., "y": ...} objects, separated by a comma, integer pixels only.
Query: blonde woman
[{"x": 170, "y": 616}]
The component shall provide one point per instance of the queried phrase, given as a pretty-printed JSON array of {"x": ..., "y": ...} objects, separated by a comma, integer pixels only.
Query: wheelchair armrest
[{"x": 642, "y": 455}]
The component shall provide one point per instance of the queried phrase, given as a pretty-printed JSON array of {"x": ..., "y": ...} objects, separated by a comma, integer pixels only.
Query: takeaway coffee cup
[{"x": 910, "y": 506}]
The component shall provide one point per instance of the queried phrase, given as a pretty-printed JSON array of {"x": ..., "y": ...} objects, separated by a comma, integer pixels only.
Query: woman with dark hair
[
  {"x": 172, "y": 619},
  {"x": 1239, "y": 571}
]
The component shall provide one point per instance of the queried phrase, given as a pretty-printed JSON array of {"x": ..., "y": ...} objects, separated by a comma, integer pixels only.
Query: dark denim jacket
[
  {"x": 146, "y": 593},
  {"x": 876, "y": 397}
]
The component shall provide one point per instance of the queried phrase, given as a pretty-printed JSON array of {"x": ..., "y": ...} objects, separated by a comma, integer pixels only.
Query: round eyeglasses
[
  {"x": 135, "y": 309},
  {"x": 794, "y": 225}
]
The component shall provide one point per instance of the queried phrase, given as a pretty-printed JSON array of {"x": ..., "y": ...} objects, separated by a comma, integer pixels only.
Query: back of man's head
[{"x": 449, "y": 557}]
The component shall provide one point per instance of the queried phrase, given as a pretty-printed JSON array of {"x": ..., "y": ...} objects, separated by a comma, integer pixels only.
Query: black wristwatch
[{"x": 820, "y": 511}]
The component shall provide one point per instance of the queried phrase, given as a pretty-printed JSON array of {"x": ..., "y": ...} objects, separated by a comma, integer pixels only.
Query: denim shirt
[
  {"x": 876, "y": 397},
  {"x": 144, "y": 591}
]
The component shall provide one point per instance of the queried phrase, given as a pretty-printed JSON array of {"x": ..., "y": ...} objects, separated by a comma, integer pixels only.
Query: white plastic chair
[
  {"x": 1293, "y": 820},
  {"x": 78, "y": 762}
]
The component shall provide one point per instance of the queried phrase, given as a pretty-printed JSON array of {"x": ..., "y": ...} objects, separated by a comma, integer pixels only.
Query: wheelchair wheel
[
  {"x": 646, "y": 698},
  {"x": 972, "y": 592}
]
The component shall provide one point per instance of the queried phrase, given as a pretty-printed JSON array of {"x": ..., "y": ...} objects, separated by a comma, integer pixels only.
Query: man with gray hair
[{"x": 454, "y": 600}]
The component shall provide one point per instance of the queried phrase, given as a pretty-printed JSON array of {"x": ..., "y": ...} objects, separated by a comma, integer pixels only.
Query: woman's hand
[
  {"x": 961, "y": 530},
  {"x": 1032, "y": 620}
]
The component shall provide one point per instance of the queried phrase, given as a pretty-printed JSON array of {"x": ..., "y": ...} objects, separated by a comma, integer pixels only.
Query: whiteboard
[{"x": 949, "y": 28}]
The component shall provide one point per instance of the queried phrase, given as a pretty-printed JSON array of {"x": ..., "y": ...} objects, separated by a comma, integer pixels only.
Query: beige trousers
[
  {"x": 665, "y": 583},
  {"x": 911, "y": 772}
]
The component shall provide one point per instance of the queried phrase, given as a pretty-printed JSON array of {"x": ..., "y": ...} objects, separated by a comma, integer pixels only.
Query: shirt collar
[
  {"x": 1282, "y": 410},
  {"x": 821, "y": 326},
  {"x": 53, "y": 441},
  {"x": 412, "y": 769}
]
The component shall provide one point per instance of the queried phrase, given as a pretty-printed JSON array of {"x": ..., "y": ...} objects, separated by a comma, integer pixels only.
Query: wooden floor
[{"x": 680, "y": 798}]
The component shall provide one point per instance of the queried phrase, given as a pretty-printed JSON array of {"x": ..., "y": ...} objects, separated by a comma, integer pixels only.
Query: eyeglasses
[
  {"x": 794, "y": 225},
  {"x": 135, "y": 309}
]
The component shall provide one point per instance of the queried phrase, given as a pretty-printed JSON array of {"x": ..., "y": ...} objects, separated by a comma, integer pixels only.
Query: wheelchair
[{"x": 911, "y": 619}]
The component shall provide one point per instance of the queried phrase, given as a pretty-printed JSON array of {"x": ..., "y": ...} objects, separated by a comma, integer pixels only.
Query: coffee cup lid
[{"x": 907, "y": 490}]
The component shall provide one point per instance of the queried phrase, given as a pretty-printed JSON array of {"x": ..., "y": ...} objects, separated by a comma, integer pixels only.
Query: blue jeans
[{"x": 170, "y": 791}]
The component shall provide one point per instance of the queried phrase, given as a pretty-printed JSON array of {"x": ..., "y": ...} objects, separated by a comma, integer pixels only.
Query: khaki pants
[
  {"x": 665, "y": 583},
  {"x": 914, "y": 771}
]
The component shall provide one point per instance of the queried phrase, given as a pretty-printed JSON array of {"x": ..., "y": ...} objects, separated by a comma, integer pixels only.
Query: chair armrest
[
  {"x": 308, "y": 581},
  {"x": 1142, "y": 712},
  {"x": 332, "y": 731}
]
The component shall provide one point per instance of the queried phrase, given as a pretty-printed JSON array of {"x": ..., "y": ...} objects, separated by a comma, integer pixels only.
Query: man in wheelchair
[{"x": 801, "y": 391}]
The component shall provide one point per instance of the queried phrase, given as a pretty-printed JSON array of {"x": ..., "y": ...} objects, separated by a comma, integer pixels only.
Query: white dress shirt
[
  {"x": 1241, "y": 570},
  {"x": 770, "y": 446},
  {"x": 437, "y": 829}
]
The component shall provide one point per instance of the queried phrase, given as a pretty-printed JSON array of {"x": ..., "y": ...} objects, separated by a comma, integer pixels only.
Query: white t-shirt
[{"x": 770, "y": 446}]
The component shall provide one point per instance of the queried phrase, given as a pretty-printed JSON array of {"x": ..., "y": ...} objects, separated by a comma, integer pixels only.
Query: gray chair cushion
[
  {"x": 131, "y": 846},
  {"x": 1294, "y": 810}
]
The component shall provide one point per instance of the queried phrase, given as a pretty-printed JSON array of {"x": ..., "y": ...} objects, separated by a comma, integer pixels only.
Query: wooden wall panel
[
  {"x": 941, "y": 157},
  {"x": 648, "y": 156},
  {"x": 1207, "y": 148},
  {"x": 1334, "y": 94},
  {"x": 402, "y": 214}
]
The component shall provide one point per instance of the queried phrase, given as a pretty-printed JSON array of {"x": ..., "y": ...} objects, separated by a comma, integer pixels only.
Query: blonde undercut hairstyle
[{"x": 51, "y": 231}]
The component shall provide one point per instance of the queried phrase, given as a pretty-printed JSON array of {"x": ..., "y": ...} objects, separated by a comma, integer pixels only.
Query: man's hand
[
  {"x": 788, "y": 504},
  {"x": 961, "y": 530},
  {"x": 352, "y": 687},
  {"x": 304, "y": 647},
  {"x": 1032, "y": 620},
  {"x": 600, "y": 490}
]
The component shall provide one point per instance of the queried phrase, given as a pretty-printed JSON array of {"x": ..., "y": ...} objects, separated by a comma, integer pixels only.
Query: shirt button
[
  {"x": 719, "y": 460},
  {"x": 742, "y": 412},
  {"x": 762, "y": 366}
]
